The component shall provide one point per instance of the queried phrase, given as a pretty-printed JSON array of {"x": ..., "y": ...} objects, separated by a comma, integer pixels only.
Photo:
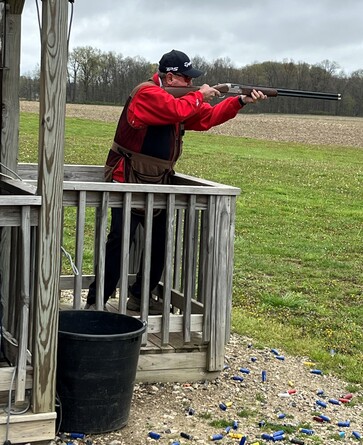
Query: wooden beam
[
  {"x": 50, "y": 186},
  {"x": 16, "y": 6}
]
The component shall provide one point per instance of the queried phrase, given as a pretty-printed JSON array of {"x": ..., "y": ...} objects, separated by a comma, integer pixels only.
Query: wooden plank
[
  {"x": 125, "y": 253},
  {"x": 180, "y": 374},
  {"x": 29, "y": 427},
  {"x": 101, "y": 252},
  {"x": 165, "y": 362},
  {"x": 177, "y": 283},
  {"x": 16, "y": 6},
  {"x": 95, "y": 173},
  {"x": 189, "y": 233},
  {"x": 24, "y": 304},
  {"x": 207, "y": 266},
  {"x": 170, "y": 214},
  {"x": 51, "y": 157},
  {"x": 6, "y": 376},
  {"x": 16, "y": 187},
  {"x": 146, "y": 265},
  {"x": 176, "y": 323},
  {"x": 80, "y": 230},
  {"x": 219, "y": 289}
]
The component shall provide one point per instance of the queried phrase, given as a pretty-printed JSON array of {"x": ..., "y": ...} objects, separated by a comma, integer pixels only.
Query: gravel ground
[
  {"x": 258, "y": 407},
  {"x": 194, "y": 408}
]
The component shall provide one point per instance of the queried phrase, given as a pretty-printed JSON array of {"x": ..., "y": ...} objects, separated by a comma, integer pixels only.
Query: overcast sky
[{"x": 245, "y": 31}]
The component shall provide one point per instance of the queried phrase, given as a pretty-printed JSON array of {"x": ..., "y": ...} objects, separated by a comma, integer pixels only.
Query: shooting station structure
[{"x": 184, "y": 344}]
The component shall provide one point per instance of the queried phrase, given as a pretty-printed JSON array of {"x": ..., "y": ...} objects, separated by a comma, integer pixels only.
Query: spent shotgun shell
[
  {"x": 244, "y": 370},
  {"x": 275, "y": 351},
  {"x": 266, "y": 436},
  {"x": 243, "y": 440},
  {"x": 345, "y": 423},
  {"x": 263, "y": 376},
  {"x": 233, "y": 435},
  {"x": 348, "y": 396},
  {"x": 77, "y": 435},
  {"x": 277, "y": 438},
  {"x": 297, "y": 441},
  {"x": 237, "y": 378},
  {"x": 321, "y": 403},
  {"x": 186, "y": 435},
  {"x": 154, "y": 435},
  {"x": 223, "y": 406},
  {"x": 306, "y": 431},
  {"x": 280, "y": 357},
  {"x": 356, "y": 435},
  {"x": 235, "y": 425},
  {"x": 216, "y": 437},
  {"x": 278, "y": 433},
  {"x": 318, "y": 419},
  {"x": 325, "y": 418},
  {"x": 334, "y": 401},
  {"x": 344, "y": 400},
  {"x": 281, "y": 416},
  {"x": 317, "y": 371}
]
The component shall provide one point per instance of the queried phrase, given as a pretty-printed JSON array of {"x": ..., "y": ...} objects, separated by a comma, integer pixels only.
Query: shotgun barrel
[{"x": 234, "y": 89}]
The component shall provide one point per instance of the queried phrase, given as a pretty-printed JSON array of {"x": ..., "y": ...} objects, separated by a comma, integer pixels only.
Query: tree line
[{"x": 97, "y": 77}]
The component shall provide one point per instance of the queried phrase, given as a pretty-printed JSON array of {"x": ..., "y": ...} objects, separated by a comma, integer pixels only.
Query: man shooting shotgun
[
  {"x": 237, "y": 90},
  {"x": 146, "y": 146}
]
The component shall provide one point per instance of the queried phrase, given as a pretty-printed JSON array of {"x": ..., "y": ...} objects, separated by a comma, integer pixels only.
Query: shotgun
[{"x": 236, "y": 90}]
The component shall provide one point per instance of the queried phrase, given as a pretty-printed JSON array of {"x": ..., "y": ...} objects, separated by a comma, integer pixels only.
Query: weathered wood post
[
  {"x": 10, "y": 72},
  {"x": 50, "y": 187}
]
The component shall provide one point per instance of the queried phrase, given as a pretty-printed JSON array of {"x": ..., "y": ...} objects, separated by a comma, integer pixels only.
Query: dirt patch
[{"x": 324, "y": 130}]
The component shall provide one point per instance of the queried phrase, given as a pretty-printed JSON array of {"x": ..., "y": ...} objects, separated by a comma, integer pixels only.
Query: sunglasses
[{"x": 186, "y": 78}]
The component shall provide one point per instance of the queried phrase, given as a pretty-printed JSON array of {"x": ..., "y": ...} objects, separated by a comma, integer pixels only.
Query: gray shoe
[{"x": 134, "y": 304}]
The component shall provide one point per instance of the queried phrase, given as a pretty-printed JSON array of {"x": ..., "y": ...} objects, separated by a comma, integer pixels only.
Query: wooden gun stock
[{"x": 233, "y": 89}]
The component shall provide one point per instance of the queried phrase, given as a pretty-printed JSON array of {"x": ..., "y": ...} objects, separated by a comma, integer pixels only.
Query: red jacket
[{"x": 151, "y": 122}]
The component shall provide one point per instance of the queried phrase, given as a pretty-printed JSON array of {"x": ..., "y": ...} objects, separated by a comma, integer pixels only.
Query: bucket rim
[{"x": 105, "y": 337}]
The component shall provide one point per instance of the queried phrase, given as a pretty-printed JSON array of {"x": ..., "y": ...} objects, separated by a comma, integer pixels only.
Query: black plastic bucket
[{"x": 97, "y": 361}]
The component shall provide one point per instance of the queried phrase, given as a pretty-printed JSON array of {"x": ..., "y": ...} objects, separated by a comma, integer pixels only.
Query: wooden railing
[{"x": 197, "y": 278}]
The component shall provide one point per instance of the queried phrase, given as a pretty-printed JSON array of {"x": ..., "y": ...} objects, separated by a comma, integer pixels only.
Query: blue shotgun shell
[
  {"x": 278, "y": 433},
  {"x": 277, "y": 438},
  {"x": 238, "y": 378},
  {"x": 316, "y": 371},
  {"x": 356, "y": 435},
  {"x": 154, "y": 435},
  {"x": 216, "y": 437},
  {"x": 263, "y": 376},
  {"x": 325, "y": 418},
  {"x": 222, "y": 406},
  {"x": 334, "y": 401},
  {"x": 275, "y": 351},
  {"x": 307, "y": 431},
  {"x": 321, "y": 403},
  {"x": 266, "y": 436},
  {"x": 280, "y": 357},
  {"x": 244, "y": 370},
  {"x": 243, "y": 440}
]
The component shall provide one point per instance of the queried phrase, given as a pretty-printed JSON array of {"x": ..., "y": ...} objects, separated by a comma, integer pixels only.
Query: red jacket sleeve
[
  {"x": 209, "y": 116},
  {"x": 152, "y": 105}
]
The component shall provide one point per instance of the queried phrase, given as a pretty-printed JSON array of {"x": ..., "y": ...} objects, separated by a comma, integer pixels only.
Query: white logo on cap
[
  {"x": 172, "y": 68},
  {"x": 186, "y": 64}
]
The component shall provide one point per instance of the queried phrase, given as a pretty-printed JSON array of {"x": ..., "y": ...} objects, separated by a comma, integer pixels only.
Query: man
[{"x": 146, "y": 146}]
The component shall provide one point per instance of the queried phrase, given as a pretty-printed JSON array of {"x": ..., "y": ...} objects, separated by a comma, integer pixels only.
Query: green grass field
[{"x": 298, "y": 276}]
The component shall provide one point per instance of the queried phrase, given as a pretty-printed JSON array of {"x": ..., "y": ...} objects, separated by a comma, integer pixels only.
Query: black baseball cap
[{"x": 178, "y": 62}]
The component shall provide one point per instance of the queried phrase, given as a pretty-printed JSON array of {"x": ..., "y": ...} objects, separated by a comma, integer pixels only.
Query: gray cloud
[{"x": 308, "y": 31}]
